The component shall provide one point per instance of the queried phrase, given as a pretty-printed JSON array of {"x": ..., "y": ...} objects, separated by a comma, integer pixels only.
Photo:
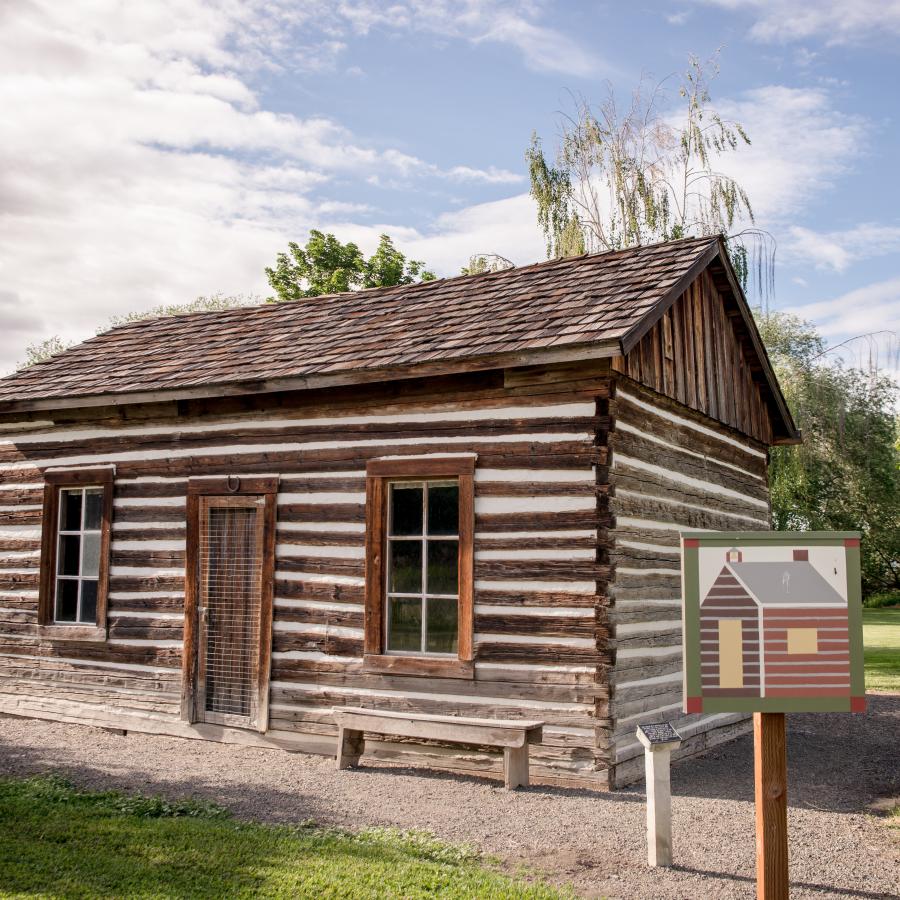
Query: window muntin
[
  {"x": 79, "y": 537},
  {"x": 422, "y": 570}
]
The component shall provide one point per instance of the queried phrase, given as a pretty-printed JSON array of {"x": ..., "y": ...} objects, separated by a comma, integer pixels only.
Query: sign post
[
  {"x": 770, "y": 766},
  {"x": 772, "y": 624},
  {"x": 659, "y": 740}
]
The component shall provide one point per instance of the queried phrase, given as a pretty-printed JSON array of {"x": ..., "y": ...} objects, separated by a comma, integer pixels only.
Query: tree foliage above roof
[
  {"x": 626, "y": 176},
  {"x": 326, "y": 266}
]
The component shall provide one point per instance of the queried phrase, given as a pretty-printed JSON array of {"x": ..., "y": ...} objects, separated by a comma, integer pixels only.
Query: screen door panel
[{"x": 231, "y": 566}]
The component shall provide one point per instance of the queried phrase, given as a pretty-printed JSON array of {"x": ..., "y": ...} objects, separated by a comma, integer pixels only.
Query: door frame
[{"x": 191, "y": 691}]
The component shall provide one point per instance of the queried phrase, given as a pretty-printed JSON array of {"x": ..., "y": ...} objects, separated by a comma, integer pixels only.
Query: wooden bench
[{"x": 513, "y": 735}]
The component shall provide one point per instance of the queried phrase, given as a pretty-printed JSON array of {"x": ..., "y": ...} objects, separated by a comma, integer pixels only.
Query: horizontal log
[
  {"x": 13, "y": 544},
  {"x": 285, "y": 641},
  {"x": 141, "y": 655},
  {"x": 163, "y": 559},
  {"x": 312, "y": 590},
  {"x": 539, "y": 626},
  {"x": 20, "y": 517},
  {"x": 544, "y": 569},
  {"x": 639, "y": 446},
  {"x": 540, "y": 521},
  {"x": 145, "y": 604},
  {"x": 687, "y": 517},
  {"x": 128, "y": 583},
  {"x": 729, "y": 449},
  {"x": 169, "y": 533},
  {"x": 343, "y": 618},
  {"x": 241, "y": 435},
  {"x": 19, "y": 562},
  {"x": 632, "y": 479},
  {"x": 320, "y": 538},
  {"x": 538, "y": 653},
  {"x": 13, "y": 580},
  {"x": 321, "y": 565},
  {"x": 535, "y": 598}
]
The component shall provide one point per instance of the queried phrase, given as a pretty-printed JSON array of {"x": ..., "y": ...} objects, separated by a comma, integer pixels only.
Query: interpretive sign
[{"x": 772, "y": 622}]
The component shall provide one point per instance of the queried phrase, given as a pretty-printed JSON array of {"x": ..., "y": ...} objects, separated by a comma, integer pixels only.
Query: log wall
[
  {"x": 670, "y": 469},
  {"x": 540, "y": 635}
]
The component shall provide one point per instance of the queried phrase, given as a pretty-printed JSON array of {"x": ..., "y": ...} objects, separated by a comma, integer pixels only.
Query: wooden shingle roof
[{"x": 595, "y": 305}]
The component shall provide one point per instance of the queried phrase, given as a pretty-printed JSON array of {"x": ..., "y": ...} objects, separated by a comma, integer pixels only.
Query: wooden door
[
  {"x": 731, "y": 653},
  {"x": 233, "y": 624}
]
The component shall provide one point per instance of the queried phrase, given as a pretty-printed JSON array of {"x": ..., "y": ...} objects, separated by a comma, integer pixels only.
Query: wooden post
[
  {"x": 657, "y": 764},
  {"x": 515, "y": 766},
  {"x": 770, "y": 762},
  {"x": 351, "y": 745},
  {"x": 659, "y": 740}
]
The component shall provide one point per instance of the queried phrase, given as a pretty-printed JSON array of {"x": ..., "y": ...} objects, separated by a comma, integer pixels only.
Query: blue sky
[{"x": 158, "y": 151}]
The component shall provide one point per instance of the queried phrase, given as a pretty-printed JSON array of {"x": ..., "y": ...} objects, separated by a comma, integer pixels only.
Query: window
[
  {"x": 422, "y": 567},
  {"x": 802, "y": 640},
  {"x": 419, "y": 516},
  {"x": 75, "y": 553}
]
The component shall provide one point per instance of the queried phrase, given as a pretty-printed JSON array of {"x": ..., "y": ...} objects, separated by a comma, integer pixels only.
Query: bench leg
[
  {"x": 350, "y": 747},
  {"x": 515, "y": 766}
]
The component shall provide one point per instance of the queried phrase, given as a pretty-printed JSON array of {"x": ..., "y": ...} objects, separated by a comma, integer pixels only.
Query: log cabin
[{"x": 458, "y": 497}]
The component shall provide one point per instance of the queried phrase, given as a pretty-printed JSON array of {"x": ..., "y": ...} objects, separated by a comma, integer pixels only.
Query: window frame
[
  {"x": 380, "y": 473},
  {"x": 55, "y": 482}
]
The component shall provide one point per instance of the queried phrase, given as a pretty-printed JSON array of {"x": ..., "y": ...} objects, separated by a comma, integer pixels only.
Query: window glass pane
[
  {"x": 88, "y": 602},
  {"x": 93, "y": 506},
  {"x": 406, "y": 509},
  {"x": 90, "y": 562},
  {"x": 443, "y": 509},
  {"x": 70, "y": 517},
  {"x": 406, "y": 567},
  {"x": 405, "y": 631},
  {"x": 443, "y": 567},
  {"x": 442, "y": 625},
  {"x": 66, "y": 599},
  {"x": 69, "y": 547}
]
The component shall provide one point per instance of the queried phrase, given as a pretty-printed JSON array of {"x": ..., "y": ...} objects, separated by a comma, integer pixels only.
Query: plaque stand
[
  {"x": 659, "y": 741},
  {"x": 770, "y": 765}
]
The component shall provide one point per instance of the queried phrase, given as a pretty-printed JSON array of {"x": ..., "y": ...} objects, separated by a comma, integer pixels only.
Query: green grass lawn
[
  {"x": 881, "y": 636},
  {"x": 56, "y": 841}
]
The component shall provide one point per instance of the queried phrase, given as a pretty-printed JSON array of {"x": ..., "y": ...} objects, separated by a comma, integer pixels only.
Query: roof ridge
[{"x": 564, "y": 261}]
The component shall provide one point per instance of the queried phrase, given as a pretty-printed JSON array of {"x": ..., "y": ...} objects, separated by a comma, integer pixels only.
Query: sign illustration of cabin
[
  {"x": 459, "y": 498},
  {"x": 778, "y": 625}
]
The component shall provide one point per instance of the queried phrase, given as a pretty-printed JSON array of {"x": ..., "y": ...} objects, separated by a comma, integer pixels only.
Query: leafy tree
[
  {"x": 626, "y": 177},
  {"x": 41, "y": 350},
  {"x": 387, "y": 267},
  {"x": 846, "y": 474},
  {"x": 326, "y": 266},
  {"x": 212, "y": 303}
]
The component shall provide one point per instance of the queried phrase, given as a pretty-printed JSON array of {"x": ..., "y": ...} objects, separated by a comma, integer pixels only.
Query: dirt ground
[{"x": 839, "y": 765}]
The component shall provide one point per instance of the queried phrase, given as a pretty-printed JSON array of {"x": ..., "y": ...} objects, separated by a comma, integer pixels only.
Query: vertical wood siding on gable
[
  {"x": 539, "y": 639},
  {"x": 696, "y": 355}
]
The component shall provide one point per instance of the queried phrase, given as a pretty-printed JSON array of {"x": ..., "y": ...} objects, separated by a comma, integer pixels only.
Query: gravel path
[{"x": 838, "y": 765}]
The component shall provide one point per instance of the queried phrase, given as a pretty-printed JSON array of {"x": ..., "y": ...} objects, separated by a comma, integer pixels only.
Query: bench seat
[{"x": 511, "y": 735}]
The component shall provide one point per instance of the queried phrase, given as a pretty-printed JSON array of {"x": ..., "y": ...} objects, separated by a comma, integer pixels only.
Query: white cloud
[
  {"x": 515, "y": 23},
  {"x": 838, "y": 250},
  {"x": 869, "y": 317},
  {"x": 801, "y": 143},
  {"x": 833, "y": 21},
  {"x": 138, "y": 166}
]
